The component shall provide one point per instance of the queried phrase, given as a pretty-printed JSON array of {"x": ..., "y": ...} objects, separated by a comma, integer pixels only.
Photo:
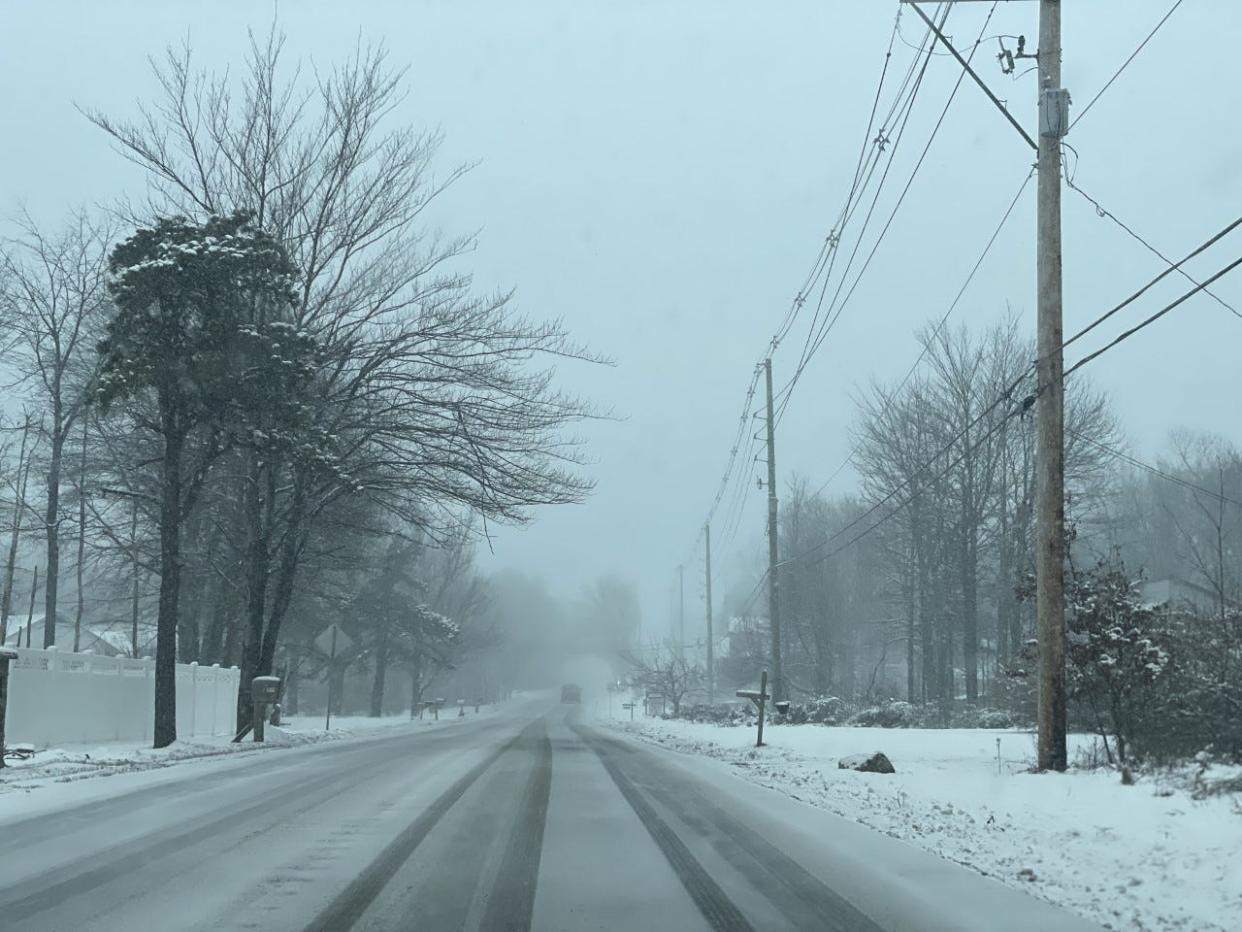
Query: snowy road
[{"x": 525, "y": 820}]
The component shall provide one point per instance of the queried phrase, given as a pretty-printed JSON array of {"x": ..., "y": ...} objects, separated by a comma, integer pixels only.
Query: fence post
[{"x": 7, "y": 654}]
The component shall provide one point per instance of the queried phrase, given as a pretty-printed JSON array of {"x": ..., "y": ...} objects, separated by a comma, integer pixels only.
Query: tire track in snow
[
  {"x": 511, "y": 901},
  {"x": 719, "y": 911},
  {"x": 350, "y": 905}
]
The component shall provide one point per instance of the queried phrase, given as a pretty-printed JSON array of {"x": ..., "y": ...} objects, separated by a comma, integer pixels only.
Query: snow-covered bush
[
  {"x": 895, "y": 714},
  {"x": 820, "y": 710},
  {"x": 717, "y": 714}
]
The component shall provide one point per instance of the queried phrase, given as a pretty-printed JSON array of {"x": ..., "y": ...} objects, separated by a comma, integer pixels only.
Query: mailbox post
[
  {"x": 264, "y": 691},
  {"x": 7, "y": 654},
  {"x": 759, "y": 699}
]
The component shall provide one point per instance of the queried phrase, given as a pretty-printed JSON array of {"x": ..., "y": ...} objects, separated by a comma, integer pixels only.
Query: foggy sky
[{"x": 661, "y": 175}]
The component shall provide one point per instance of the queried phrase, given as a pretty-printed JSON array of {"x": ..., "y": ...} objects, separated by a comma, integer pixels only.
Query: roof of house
[
  {"x": 89, "y": 640},
  {"x": 1172, "y": 590}
]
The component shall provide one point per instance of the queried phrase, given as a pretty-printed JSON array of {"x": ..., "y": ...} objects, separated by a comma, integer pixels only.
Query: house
[
  {"x": 105, "y": 638},
  {"x": 1174, "y": 594},
  {"x": 19, "y": 634}
]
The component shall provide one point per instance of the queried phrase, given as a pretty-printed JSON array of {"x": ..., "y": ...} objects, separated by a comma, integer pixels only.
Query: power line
[
  {"x": 819, "y": 338},
  {"x": 952, "y": 306},
  {"x": 1173, "y": 266},
  {"x": 1125, "y": 64},
  {"x": 1005, "y": 395},
  {"x": 903, "y": 110},
  {"x": 827, "y": 251},
  {"x": 733, "y": 451},
  {"x": 902, "y": 106},
  {"x": 864, "y": 157},
  {"x": 1125, "y": 335},
  {"x": 1153, "y": 470},
  {"x": 896, "y": 510},
  {"x": 1109, "y": 215}
]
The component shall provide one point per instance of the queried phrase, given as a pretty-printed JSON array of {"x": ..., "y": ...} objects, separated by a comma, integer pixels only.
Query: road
[{"x": 529, "y": 819}]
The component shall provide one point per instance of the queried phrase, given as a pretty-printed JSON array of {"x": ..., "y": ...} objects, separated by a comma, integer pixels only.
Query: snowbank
[
  {"x": 1148, "y": 856},
  {"x": 79, "y": 762}
]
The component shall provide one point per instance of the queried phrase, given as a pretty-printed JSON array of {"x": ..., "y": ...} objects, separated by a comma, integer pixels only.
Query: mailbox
[{"x": 265, "y": 689}]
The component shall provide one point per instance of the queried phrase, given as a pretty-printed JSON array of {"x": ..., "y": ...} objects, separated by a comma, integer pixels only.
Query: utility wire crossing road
[{"x": 530, "y": 820}]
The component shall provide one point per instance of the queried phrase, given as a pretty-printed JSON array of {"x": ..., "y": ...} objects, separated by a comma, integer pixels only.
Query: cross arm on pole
[{"x": 970, "y": 71}]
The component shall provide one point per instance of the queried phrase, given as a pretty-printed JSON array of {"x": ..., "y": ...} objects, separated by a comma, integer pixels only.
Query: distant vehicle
[{"x": 571, "y": 693}]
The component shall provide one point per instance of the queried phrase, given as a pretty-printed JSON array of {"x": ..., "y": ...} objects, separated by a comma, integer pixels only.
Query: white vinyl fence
[{"x": 66, "y": 698}]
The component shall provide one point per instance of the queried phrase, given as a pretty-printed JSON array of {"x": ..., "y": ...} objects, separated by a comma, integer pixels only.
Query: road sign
[{"x": 333, "y": 640}]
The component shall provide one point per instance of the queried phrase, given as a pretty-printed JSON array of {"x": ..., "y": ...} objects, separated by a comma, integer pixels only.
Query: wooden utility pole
[
  {"x": 1050, "y": 367},
  {"x": 774, "y": 605},
  {"x": 1050, "y": 479},
  {"x": 711, "y": 647}
]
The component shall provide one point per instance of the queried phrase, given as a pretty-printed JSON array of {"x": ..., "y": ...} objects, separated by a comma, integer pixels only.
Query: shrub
[{"x": 896, "y": 714}]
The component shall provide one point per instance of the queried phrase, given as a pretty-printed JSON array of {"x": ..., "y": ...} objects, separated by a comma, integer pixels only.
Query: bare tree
[
  {"x": 665, "y": 674},
  {"x": 55, "y": 296},
  {"x": 425, "y": 393}
]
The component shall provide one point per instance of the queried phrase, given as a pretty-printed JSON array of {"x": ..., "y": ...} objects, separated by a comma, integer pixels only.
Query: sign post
[
  {"x": 759, "y": 699},
  {"x": 331, "y": 640}
]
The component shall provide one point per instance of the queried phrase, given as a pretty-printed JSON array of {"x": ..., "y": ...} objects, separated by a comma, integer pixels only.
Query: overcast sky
[{"x": 660, "y": 176}]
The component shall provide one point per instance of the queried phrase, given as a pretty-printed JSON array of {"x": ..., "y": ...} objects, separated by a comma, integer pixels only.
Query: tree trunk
[
  {"x": 213, "y": 632},
  {"x": 970, "y": 614},
  {"x": 19, "y": 509},
  {"x": 51, "y": 518},
  {"x": 416, "y": 683},
  {"x": 189, "y": 629},
  {"x": 260, "y": 491},
  {"x": 337, "y": 677},
  {"x": 909, "y": 636},
  {"x": 381, "y": 670},
  {"x": 165, "y": 730},
  {"x": 34, "y": 594},
  {"x": 77, "y": 621},
  {"x": 133, "y": 579},
  {"x": 291, "y": 686},
  {"x": 286, "y": 575}
]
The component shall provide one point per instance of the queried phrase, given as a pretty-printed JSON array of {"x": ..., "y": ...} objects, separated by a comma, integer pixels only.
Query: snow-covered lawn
[
  {"x": 1148, "y": 856},
  {"x": 78, "y": 762}
]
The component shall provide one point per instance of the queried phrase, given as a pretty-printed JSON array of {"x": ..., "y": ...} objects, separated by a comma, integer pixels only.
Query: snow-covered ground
[
  {"x": 79, "y": 762},
  {"x": 1148, "y": 856}
]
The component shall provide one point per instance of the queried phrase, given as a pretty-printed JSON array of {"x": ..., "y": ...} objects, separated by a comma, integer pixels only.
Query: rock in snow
[{"x": 867, "y": 763}]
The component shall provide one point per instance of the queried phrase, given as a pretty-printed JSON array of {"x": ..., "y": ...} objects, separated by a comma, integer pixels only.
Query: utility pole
[
  {"x": 711, "y": 647},
  {"x": 1050, "y": 480},
  {"x": 1050, "y": 367},
  {"x": 774, "y": 608}
]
